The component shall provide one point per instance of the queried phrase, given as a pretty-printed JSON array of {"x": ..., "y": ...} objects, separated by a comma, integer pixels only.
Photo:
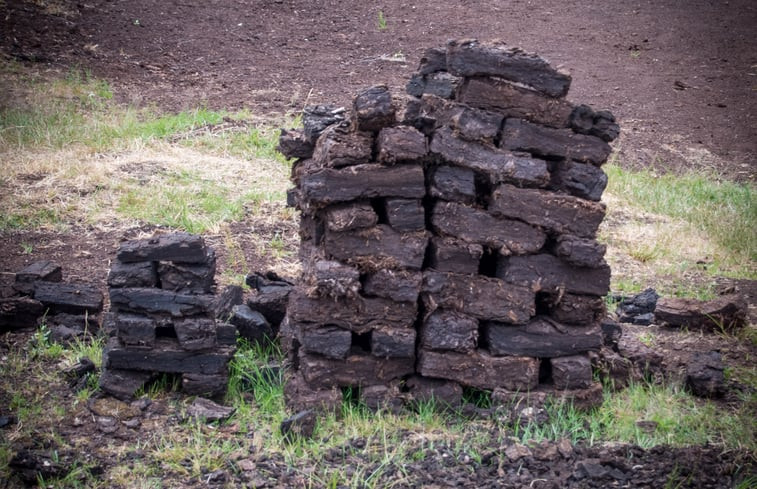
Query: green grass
[{"x": 725, "y": 211}]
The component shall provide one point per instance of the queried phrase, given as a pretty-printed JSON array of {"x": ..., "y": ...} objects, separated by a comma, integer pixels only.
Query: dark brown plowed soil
[{"x": 681, "y": 78}]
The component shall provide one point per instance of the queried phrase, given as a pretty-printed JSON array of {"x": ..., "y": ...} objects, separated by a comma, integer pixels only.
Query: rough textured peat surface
[{"x": 680, "y": 80}]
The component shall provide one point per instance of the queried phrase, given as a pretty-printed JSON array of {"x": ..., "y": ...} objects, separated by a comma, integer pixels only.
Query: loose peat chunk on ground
[
  {"x": 521, "y": 135},
  {"x": 561, "y": 214},
  {"x": 300, "y": 395},
  {"x": 541, "y": 337},
  {"x": 512, "y": 101},
  {"x": 496, "y": 164},
  {"x": 483, "y": 298},
  {"x": 584, "y": 399},
  {"x": 477, "y": 226},
  {"x": 251, "y": 325},
  {"x": 449, "y": 330},
  {"x": 470, "y": 58},
  {"x": 122, "y": 384},
  {"x": 705, "y": 374},
  {"x": 727, "y": 312},
  {"x": 211, "y": 386},
  {"x": 373, "y": 109},
  {"x": 74, "y": 298},
  {"x": 549, "y": 274},
  {"x": 43, "y": 270},
  {"x": 481, "y": 370},
  {"x": 179, "y": 247},
  {"x": 19, "y": 312},
  {"x": 136, "y": 274}
]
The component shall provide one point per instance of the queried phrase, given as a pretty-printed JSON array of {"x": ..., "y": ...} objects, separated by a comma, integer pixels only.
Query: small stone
[
  {"x": 208, "y": 410},
  {"x": 517, "y": 451}
]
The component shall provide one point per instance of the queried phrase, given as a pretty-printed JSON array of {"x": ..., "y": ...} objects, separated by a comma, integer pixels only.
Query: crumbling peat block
[
  {"x": 378, "y": 247},
  {"x": 601, "y": 123},
  {"x": 294, "y": 143},
  {"x": 330, "y": 186},
  {"x": 478, "y": 226},
  {"x": 167, "y": 356},
  {"x": 396, "y": 285},
  {"x": 44, "y": 270},
  {"x": 724, "y": 313},
  {"x": 338, "y": 147},
  {"x": 72, "y": 298},
  {"x": 455, "y": 255},
  {"x": 576, "y": 309},
  {"x": 521, "y": 135},
  {"x": 355, "y": 370},
  {"x": 547, "y": 273},
  {"x": 271, "y": 298},
  {"x": 393, "y": 343},
  {"x": 328, "y": 278},
  {"x": 495, "y": 164},
  {"x": 481, "y": 370},
  {"x": 541, "y": 337},
  {"x": 476, "y": 125},
  {"x": 449, "y": 330},
  {"x": 137, "y": 274},
  {"x": 571, "y": 372},
  {"x": 346, "y": 217},
  {"x": 177, "y": 247},
  {"x": 188, "y": 278},
  {"x": 454, "y": 184},
  {"x": 581, "y": 252},
  {"x": 481, "y": 297},
  {"x": 196, "y": 334},
  {"x": 561, "y": 214},
  {"x": 440, "y": 84},
  {"x": 20, "y": 312},
  {"x": 157, "y": 301},
  {"x": 122, "y": 384},
  {"x": 579, "y": 179},
  {"x": 329, "y": 341},
  {"x": 373, "y": 109},
  {"x": 405, "y": 215},
  {"x": 400, "y": 143},
  {"x": 358, "y": 314},
  {"x": 433, "y": 60},
  {"x": 470, "y": 58},
  {"x": 515, "y": 102}
]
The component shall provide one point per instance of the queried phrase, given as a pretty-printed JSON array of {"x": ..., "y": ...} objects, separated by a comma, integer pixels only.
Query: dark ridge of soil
[{"x": 680, "y": 78}]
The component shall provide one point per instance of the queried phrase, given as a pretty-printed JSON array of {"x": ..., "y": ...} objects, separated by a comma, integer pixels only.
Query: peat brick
[
  {"x": 378, "y": 247},
  {"x": 20, "y": 312},
  {"x": 178, "y": 247},
  {"x": 355, "y": 370},
  {"x": 209, "y": 386},
  {"x": 470, "y": 58},
  {"x": 454, "y": 184},
  {"x": 577, "y": 309},
  {"x": 478, "y": 226},
  {"x": 521, "y": 135},
  {"x": 580, "y": 179},
  {"x": 727, "y": 312},
  {"x": 481, "y": 297},
  {"x": 512, "y": 101},
  {"x": 393, "y": 343},
  {"x": 405, "y": 215},
  {"x": 188, "y": 278},
  {"x": 316, "y": 118},
  {"x": 136, "y": 331},
  {"x": 396, "y": 285},
  {"x": 541, "y": 337},
  {"x": 433, "y": 60},
  {"x": 328, "y": 278},
  {"x": 156, "y": 301},
  {"x": 137, "y": 274},
  {"x": 571, "y": 372},
  {"x": 251, "y": 325},
  {"x": 449, "y": 330},
  {"x": 601, "y": 124},
  {"x": 455, "y": 255},
  {"x": 293, "y": 143},
  {"x": 329, "y": 341},
  {"x": 481, "y": 370},
  {"x": 444, "y": 393},
  {"x": 44, "y": 270},
  {"x": 346, "y": 217},
  {"x": 495, "y": 164},
  {"x": 329, "y": 185},
  {"x": 401, "y": 143},
  {"x": 196, "y": 333},
  {"x": 561, "y": 214},
  {"x": 373, "y": 109},
  {"x": 122, "y": 384},
  {"x": 74, "y": 298},
  {"x": 476, "y": 125},
  {"x": 168, "y": 357},
  {"x": 299, "y": 395},
  {"x": 338, "y": 147},
  {"x": 548, "y": 273},
  {"x": 580, "y": 252}
]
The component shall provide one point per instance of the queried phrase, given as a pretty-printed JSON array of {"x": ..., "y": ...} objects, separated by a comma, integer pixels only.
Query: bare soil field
[{"x": 681, "y": 80}]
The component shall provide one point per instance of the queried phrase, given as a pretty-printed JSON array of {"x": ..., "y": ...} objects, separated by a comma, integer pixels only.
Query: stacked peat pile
[
  {"x": 452, "y": 246},
  {"x": 163, "y": 317}
]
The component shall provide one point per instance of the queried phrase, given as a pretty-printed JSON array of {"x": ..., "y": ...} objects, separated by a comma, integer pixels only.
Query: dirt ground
[{"x": 680, "y": 79}]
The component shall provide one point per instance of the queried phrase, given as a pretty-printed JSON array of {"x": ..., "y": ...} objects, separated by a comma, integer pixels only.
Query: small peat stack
[
  {"x": 449, "y": 241},
  {"x": 163, "y": 317}
]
